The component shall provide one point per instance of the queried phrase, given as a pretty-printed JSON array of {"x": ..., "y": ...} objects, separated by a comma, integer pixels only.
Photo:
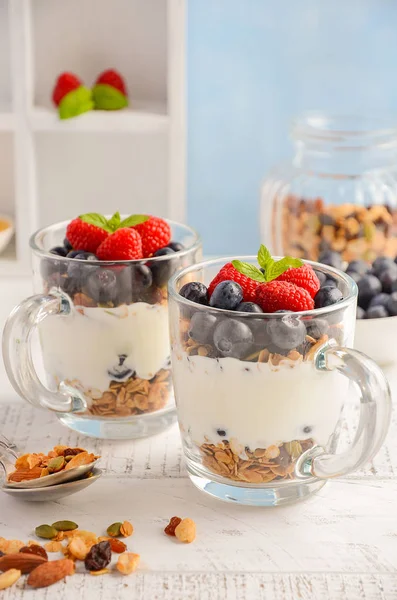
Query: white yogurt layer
[
  {"x": 86, "y": 346},
  {"x": 255, "y": 404}
]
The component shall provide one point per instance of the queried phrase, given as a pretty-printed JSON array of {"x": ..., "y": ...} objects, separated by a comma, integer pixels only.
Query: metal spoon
[
  {"x": 53, "y": 479},
  {"x": 53, "y": 492},
  {"x": 41, "y": 482}
]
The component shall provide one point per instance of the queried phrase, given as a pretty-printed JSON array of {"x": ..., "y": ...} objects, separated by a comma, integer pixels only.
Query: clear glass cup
[
  {"x": 103, "y": 338},
  {"x": 339, "y": 191},
  {"x": 259, "y": 412}
]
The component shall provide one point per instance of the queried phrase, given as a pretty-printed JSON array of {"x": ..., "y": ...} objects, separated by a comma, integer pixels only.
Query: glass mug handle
[
  {"x": 375, "y": 414},
  {"x": 17, "y": 353}
]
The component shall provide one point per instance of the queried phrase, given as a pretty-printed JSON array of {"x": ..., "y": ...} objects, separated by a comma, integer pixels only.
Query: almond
[
  {"x": 8, "y": 578},
  {"x": 51, "y": 572},
  {"x": 21, "y": 561}
]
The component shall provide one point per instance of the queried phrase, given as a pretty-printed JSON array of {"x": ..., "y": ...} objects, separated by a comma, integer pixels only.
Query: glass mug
[
  {"x": 103, "y": 338},
  {"x": 259, "y": 412}
]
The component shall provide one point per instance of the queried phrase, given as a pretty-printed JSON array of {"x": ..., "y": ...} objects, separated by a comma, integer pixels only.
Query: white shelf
[
  {"x": 7, "y": 120},
  {"x": 130, "y": 158},
  {"x": 118, "y": 121}
]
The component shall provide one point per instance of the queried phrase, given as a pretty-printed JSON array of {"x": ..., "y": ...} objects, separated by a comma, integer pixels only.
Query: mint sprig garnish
[
  {"x": 271, "y": 268},
  {"x": 111, "y": 225}
]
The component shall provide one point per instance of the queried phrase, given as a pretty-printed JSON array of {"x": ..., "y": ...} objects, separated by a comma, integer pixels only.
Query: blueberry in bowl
[{"x": 376, "y": 326}]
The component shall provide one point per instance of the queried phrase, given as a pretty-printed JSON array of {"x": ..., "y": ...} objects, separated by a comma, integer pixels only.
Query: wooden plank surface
[{"x": 338, "y": 545}]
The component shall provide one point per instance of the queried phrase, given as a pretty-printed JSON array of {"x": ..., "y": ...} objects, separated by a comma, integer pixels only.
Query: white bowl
[
  {"x": 377, "y": 338},
  {"x": 7, "y": 233}
]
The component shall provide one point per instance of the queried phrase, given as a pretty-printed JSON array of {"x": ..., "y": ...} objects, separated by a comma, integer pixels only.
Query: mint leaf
[
  {"x": 264, "y": 257},
  {"x": 249, "y": 270},
  {"x": 97, "y": 220},
  {"x": 279, "y": 267},
  {"x": 133, "y": 220},
  {"x": 114, "y": 222}
]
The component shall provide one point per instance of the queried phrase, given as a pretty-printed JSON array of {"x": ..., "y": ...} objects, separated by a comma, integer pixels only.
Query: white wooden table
[{"x": 339, "y": 545}]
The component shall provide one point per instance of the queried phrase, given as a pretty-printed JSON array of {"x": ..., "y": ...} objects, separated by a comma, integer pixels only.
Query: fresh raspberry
[
  {"x": 155, "y": 234},
  {"x": 123, "y": 244},
  {"x": 304, "y": 277},
  {"x": 282, "y": 295},
  {"x": 228, "y": 272},
  {"x": 113, "y": 78},
  {"x": 66, "y": 82},
  {"x": 84, "y": 236}
]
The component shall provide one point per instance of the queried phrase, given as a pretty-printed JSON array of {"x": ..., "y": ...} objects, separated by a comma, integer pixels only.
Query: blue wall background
[{"x": 252, "y": 66}]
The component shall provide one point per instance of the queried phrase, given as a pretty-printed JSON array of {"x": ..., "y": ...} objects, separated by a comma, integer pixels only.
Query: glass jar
[{"x": 338, "y": 194}]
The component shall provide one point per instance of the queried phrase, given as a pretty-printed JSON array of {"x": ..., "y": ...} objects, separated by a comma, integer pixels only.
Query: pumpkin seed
[
  {"x": 46, "y": 531},
  {"x": 65, "y": 525},
  {"x": 114, "y": 529},
  {"x": 56, "y": 464}
]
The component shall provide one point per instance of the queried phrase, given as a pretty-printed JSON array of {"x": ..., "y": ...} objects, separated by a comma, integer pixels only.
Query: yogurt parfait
[
  {"x": 255, "y": 389},
  {"x": 109, "y": 344}
]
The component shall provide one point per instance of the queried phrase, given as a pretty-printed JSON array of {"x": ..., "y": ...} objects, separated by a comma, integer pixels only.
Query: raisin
[
  {"x": 1, "y": 554},
  {"x": 72, "y": 451},
  {"x": 172, "y": 525},
  {"x": 117, "y": 545},
  {"x": 35, "y": 549},
  {"x": 98, "y": 557}
]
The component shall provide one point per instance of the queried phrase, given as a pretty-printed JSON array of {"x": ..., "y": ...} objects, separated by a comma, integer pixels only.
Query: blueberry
[
  {"x": 392, "y": 304},
  {"x": 330, "y": 258},
  {"x": 79, "y": 270},
  {"x": 330, "y": 283},
  {"x": 141, "y": 276},
  {"x": 133, "y": 281},
  {"x": 227, "y": 295},
  {"x": 286, "y": 333},
  {"x": 195, "y": 291},
  {"x": 249, "y": 307},
  {"x": 387, "y": 278},
  {"x": 101, "y": 285},
  {"x": 327, "y": 296},
  {"x": 59, "y": 251},
  {"x": 164, "y": 251},
  {"x": 316, "y": 328},
  {"x": 176, "y": 246},
  {"x": 120, "y": 371},
  {"x": 68, "y": 246},
  {"x": 233, "y": 338},
  {"x": 321, "y": 276},
  {"x": 163, "y": 269},
  {"x": 381, "y": 264},
  {"x": 368, "y": 287},
  {"x": 221, "y": 432},
  {"x": 355, "y": 276},
  {"x": 259, "y": 329},
  {"x": 376, "y": 312},
  {"x": 379, "y": 300},
  {"x": 74, "y": 253},
  {"x": 201, "y": 327},
  {"x": 360, "y": 314},
  {"x": 357, "y": 266}
]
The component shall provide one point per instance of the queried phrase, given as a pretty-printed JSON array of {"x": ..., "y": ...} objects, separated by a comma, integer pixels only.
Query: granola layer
[
  {"x": 262, "y": 465},
  {"x": 132, "y": 397}
]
